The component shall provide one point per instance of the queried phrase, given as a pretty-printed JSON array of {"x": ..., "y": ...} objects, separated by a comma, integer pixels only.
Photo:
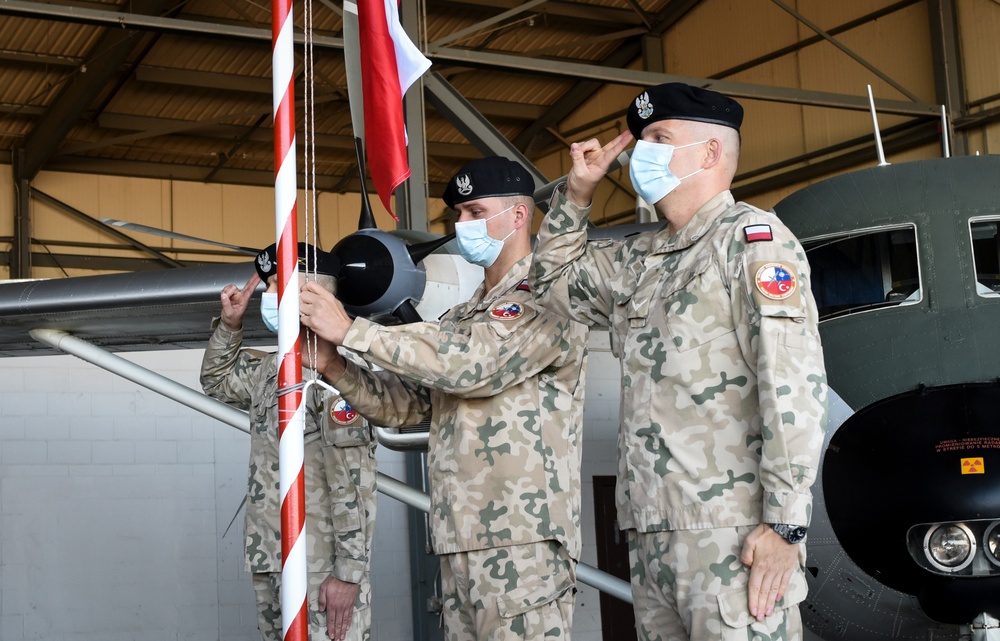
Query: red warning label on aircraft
[
  {"x": 973, "y": 466},
  {"x": 968, "y": 443}
]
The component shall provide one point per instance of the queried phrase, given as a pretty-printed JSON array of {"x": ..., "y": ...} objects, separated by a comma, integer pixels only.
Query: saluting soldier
[
  {"x": 724, "y": 388},
  {"x": 502, "y": 382},
  {"x": 340, "y": 468}
]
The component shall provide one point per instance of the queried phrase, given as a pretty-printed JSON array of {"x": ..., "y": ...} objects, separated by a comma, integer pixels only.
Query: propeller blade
[
  {"x": 156, "y": 231},
  {"x": 407, "y": 313},
  {"x": 420, "y": 251}
]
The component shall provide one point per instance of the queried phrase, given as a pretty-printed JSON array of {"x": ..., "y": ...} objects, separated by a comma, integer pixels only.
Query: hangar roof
[{"x": 181, "y": 89}]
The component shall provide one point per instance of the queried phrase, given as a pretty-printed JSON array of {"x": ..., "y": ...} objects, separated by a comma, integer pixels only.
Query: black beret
[
  {"x": 678, "y": 101},
  {"x": 324, "y": 262},
  {"x": 486, "y": 178}
]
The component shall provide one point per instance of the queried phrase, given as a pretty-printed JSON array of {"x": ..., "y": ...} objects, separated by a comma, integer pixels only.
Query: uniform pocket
[
  {"x": 697, "y": 307},
  {"x": 736, "y": 614},
  {"x": 533, "y": 594}
]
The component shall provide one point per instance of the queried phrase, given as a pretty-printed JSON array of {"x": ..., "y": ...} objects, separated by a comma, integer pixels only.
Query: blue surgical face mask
[
  {"x": 269, "y": 310},
  {"x": 649, "y": 169},
  {"x": 475, "y": 243}
]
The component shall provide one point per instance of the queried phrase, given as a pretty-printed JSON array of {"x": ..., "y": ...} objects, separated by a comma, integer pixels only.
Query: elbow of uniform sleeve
[{"x": 792, "y": 508}]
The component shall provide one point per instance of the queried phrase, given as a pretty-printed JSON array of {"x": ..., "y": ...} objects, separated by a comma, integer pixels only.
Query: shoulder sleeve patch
[
  {"x": 757, "y": 233},
  {"x": 775, "y": 282},
  {"x": 507, "y": 311}
]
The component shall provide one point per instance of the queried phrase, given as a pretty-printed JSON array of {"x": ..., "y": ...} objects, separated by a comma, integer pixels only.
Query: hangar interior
[{"x": 159, "y": 113}]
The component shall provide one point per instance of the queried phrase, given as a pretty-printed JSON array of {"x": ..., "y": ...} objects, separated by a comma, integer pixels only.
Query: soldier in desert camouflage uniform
[
  {"x": 503, "y": 384},
  {"x": 724, "y": 388},
  {"x": 340, "y": 472}
]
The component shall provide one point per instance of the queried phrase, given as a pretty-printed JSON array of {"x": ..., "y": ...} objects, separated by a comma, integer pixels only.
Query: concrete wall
[
  {"x": 114, "y": 502},
  {"x": 113, "y": 505}
]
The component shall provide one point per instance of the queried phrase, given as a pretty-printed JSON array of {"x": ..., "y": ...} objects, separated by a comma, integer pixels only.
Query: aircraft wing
[{"x": 148, "y": 310}]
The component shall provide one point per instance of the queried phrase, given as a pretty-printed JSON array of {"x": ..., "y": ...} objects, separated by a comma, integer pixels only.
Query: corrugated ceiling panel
[{"x": 980, "y": 25}]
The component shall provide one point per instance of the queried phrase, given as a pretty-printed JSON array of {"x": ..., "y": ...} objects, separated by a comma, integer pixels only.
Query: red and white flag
[{"x": 390, "y": 63}]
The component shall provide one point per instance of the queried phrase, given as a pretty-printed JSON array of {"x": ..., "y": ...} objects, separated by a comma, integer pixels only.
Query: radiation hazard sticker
[
  {"x": 506, "y": 311},
  {"x": 776, "y": 281},
  {"x": 973, "y": 466},
  {"x": 343, "y": 413}
]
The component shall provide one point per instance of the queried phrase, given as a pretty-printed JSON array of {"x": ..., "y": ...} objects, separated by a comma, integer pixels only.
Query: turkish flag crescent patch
[
  {"x": 757, "y": 233},
  {"x": 506, "y": 311}
]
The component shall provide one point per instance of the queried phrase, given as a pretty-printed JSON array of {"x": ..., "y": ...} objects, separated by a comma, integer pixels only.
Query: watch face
[{"x": 791, "y": 533}]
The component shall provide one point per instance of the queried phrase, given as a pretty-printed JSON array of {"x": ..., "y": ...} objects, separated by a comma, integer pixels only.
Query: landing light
[
  {"x": 950, "y": 548},
  {"x": 991, "y": 541}
]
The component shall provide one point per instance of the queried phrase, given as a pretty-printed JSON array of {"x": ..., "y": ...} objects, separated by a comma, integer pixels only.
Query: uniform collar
[
  {"x": 483, "y": 299},
  {"x": 696, "y": 228}
]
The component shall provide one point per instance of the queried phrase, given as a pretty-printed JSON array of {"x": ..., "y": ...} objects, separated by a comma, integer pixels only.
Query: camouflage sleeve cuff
[
  {"x": 578, "y": 215},
  {"x": 349, "y": 570},
  {"x": 227, "y": 335},
  {"x": 359, "y": 338},
  {"x": 793, "y": 508},
  {"x": 350, "y": 382}
]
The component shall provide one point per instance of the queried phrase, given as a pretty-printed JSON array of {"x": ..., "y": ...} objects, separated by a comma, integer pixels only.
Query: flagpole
[{"x": 294, "y": 619}]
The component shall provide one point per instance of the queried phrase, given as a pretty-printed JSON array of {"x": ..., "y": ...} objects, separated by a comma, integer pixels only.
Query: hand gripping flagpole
[{"x": 294, "y": 620}]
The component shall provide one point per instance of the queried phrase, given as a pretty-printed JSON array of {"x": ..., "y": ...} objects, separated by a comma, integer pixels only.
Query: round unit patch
[
  {"x": 775, "y": 281},
  {"x": 506, "y": 311},
  {"x": 343, "y": 413}
]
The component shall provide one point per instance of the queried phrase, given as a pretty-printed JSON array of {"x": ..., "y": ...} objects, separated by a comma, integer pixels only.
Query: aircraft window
[
  {"x": 986, "y": 251},
  {"x": 864, "y": 270}
]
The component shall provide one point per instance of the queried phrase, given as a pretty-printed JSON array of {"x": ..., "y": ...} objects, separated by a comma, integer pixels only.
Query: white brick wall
[
  {"x": 114, "y": 500},
  {"x": 113, "y": 504}
]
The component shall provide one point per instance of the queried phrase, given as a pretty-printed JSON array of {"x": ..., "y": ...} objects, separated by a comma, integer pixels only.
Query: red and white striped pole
[{"x": 294, "y": 619}]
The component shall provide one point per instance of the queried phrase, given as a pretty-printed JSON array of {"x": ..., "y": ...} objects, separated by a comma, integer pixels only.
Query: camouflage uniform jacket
[
  {"x": 340, "y": 464},
  {"x": 723, "y": 383},
  {"x": 503, "y": 383}
]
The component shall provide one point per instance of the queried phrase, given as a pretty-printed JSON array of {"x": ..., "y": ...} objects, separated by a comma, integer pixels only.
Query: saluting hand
[
  {"x": 323, "y": 314},
  {"x": 590, "y": 165},
  {"x": 235, "y": 302},
  {"x": 771, "y": 560}
]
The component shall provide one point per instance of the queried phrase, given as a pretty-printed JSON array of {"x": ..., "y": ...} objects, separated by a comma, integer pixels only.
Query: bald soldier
[
  {"x": 502, "y": 383},
  {"x": 723, "y": 405},
  {"x": 340, "y": 467}
]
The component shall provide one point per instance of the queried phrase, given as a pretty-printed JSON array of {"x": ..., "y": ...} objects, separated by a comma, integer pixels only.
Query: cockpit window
[
  {"x": 864, "y": 270},
  {"x": 986, "y": 253}
]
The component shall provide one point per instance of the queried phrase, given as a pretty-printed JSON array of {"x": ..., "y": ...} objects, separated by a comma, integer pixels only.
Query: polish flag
[
  {"x": 756, "y": 233},
  {"x": 390, "y": 63}
]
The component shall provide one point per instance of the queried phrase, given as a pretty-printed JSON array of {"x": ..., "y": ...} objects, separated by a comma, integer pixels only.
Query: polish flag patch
[{"x": 757, "y": 233}]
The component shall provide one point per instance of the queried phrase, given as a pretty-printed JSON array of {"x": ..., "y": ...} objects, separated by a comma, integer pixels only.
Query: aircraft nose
[{"x": 912, "y": 494}]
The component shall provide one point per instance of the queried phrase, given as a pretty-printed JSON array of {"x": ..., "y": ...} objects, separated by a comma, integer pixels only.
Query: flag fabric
[{"x": 390, "y": 63}]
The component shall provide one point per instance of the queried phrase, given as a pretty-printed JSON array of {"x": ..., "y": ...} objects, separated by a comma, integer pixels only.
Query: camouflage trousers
[
  {"x": 267, "y": 588},
  {"x": 691, "y": 585},
  {"x": 521, "y": 592}
]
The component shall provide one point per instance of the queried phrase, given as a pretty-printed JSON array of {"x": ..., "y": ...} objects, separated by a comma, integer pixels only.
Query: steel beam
[
  {"x": 20, "y": 261},
  {"x": 645, "y": 79},
  {"x": 489, "y": 22},
  {"x": 106, "y": 56},
  {"x": 949, "y": 75},
  {"x": 107, "y": 229},
  {"x": 847, "y": 50},
  {"x": 473, "y": 126},
  {"x": 411, "y": 199}
]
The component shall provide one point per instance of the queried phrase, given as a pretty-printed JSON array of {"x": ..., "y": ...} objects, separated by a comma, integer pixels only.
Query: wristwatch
[{"x": 791, "y": 533}]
